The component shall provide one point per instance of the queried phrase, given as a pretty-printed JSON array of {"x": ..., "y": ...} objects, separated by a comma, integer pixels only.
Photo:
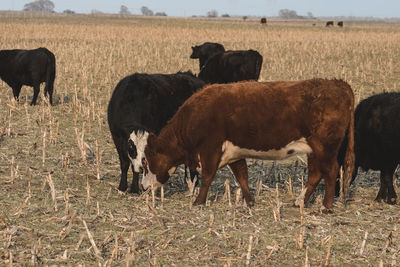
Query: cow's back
[
  {"x": 377, "y": 135},
  {"x": 147, "y": 101},
  {"x": 262, "y": 116}
]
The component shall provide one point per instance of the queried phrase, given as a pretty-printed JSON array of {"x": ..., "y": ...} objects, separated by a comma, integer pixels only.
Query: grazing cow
[
  {"x": 329, "y": 23},
  {"x": 205, "y": 51},
  {"x": 28, "y": 67},
  {"x": 263, "y": 21},
  {"x": 232, "y": 66},
  {"x": 143, "y": 103},
  {"x": 271, "y": 120},
  {"x": 377, "y": 141},
  {"x": 340, "y": 23}
]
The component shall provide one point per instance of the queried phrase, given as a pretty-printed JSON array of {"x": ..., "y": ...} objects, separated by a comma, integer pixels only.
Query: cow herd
[{"x": 224, "y": 116}]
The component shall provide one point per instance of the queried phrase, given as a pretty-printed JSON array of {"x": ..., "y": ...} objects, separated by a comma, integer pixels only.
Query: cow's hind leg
[
  {"x": 386, "y": 190},
  {"x": 239, "y": 169},
  {"x": 314, "y": 177},
  {"x": 36, "y": 89}
]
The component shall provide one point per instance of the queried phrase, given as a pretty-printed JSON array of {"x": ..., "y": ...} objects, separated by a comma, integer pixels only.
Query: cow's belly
[{"x": 232, "y": 153}]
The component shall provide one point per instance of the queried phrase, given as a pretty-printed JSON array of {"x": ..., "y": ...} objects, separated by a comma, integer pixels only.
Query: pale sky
[{"x": 360, "y": 8}]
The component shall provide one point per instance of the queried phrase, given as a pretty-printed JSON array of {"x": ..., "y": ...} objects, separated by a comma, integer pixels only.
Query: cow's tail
[
  {"x": 349, "y": 158},
  {"x": 50, "y": 75}
]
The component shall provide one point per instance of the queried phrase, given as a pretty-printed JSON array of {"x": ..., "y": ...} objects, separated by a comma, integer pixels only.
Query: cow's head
[
  {"x": 195, "y": 52},
  {"x": 136, "y": 144},
  {"x": 157, "y": 165}
]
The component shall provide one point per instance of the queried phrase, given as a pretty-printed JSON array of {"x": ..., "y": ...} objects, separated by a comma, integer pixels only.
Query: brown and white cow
[{"x": 224, "y": 124}]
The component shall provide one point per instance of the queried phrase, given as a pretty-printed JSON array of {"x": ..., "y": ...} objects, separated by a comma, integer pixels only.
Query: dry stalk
[
  {"x": 238, "y": 193},
  {"x": 98, "y": 208},
  {"x": 12, "y": 170},
  {"x": 248, "y": 256},
  {"x": 56, "y": 133},
  {"x": 82, "y": 236},
  {"x": 44, "y": 148},
  {"x": 342, "y": 196},
  {"x": 65, "y": 231},
  {"x": 28, "y": 176},
  {"x": 153, "y": 196},
  {"x": 159, "y": 220},
  {"x": 18, "y": 213},
  {"x": 306, "y": 263},
  {"x": 66, "y": 200},
  {"x": 97, "y": 160},
  {"x": 258, "y": 187},
  {"x": 388, "y": 242},
  {"x": 9, "y": 123},
  {"x": 363, "y": 243},
  {"x": 300, "y": 238},
  {"x": 227, "y": 194},
  {"x": 96, "y": 250},
  {"x": 328, "y": 251},
  {"x": 276, "y": 209},
  {"x": 53, "y": 191},
  {"x": 290, "y": 187},
  {"x": 87, "y": 191},
  {"x": 81, "y": 144},
  {"x": 162, "y": 196},
  {"x": 191, "y": 186},
  {"x": 115, "y": 251}
]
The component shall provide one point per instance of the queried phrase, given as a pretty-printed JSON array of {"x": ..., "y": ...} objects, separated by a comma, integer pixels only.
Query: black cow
[
  {"x": 329, "y": 23},
  {"x": 340, "y": 23},
  {"x": 28, "y": 67},
  {"x": 205, "y": 51},
  {"x": 263, "y": 21},
  {"x": 377, "y": 140},
  {"x": 232, "y": 66},
  {"x": 143, "y": 103}
]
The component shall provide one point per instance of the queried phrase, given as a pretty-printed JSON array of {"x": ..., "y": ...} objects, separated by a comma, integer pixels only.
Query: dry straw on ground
[{"x": 65, "y": 210}]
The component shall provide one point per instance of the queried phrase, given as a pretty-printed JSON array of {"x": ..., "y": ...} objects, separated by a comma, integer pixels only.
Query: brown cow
[
  {"x": 329, "y": 23},
  {"x": 224, "y": 124}
]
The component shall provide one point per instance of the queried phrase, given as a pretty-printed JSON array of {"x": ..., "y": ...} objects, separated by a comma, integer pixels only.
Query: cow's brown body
[{"x": 257, "y": 117}]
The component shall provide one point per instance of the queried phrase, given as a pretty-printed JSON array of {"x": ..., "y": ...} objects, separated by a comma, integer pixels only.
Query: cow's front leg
[{"x": 209, "y": 165}]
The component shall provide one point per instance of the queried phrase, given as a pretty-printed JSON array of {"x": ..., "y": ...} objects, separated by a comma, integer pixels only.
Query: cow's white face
[{"x": 139, "y": 139}]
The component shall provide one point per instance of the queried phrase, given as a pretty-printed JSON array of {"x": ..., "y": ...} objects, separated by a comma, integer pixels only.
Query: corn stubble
[{"x": 65, "y": 209}]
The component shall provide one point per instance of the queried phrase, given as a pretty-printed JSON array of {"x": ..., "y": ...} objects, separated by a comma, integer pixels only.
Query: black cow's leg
[
  {"x": 16, "y": 91},
  {"x": 386, "y": 190},
  {"x": 239, "y": 169},
  {"x": 135, "y": 182},
  {"x": 36, "y": 89},
  {"x": 124, "y": 163}
]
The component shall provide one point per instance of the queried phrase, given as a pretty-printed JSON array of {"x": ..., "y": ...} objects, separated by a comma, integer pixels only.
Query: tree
[
  {"x": 40, "y": 6},
  {"x": 288, "y": 14},
  {"x": 146, "y": 11},
  {"x": 225, "y": 15},
  {"x": 124, "y": 10},
  {"x": 160, "y": 14},
  {"x": 310, "y": 15},
  {"x": 212, "y": 13},
  {"x": 68, "y": 11}
]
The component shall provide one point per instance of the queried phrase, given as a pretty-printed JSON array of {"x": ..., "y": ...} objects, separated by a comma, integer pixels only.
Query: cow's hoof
[
  {"x": 198, "y": 202},
  {"x": 250, "y": 203},
  {"x": 391, "y": 201},
  {"x": 324, "y": 210},
  {"x": 379, "y": 198},
  {"x": 133, "y": 190},
  {"x": 122, "y": 188}
]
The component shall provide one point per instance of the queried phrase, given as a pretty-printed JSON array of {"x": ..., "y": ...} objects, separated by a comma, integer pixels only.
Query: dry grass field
[{"x": 59, "y": 169}]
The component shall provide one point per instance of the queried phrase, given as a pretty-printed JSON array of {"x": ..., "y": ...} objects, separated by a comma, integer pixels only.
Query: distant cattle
[
  {"x": 329, "y": 23},
  {"x": 377, "y": 140},
  {"x": 232, "y": 66},
  {"x": 143, "y": 103},
  {"x": 271, "y": 120},
  {"x": 340, "y": 23},
  {"x": 28, "y": 67},
  {"x": 205, "y": 51},
  {"x": 263, "y": 21}
]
